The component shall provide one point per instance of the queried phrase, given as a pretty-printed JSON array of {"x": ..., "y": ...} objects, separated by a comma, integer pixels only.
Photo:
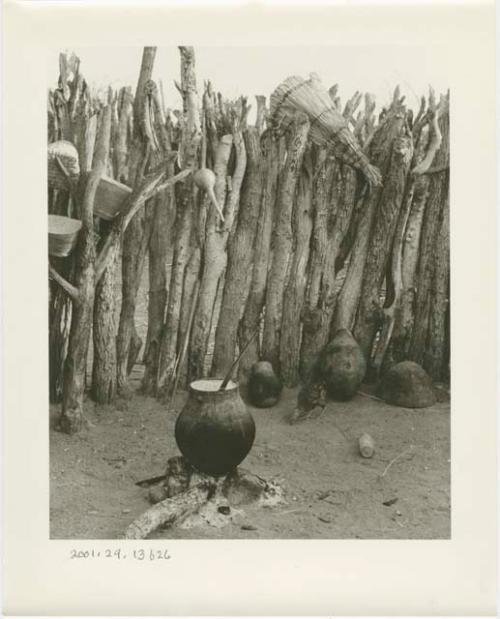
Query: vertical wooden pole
[
  {"x": 282, "y": 241},
  {"x": 71, "y": 419},
  {"x": 261, "y": 252},
  {"x": 240, "y": 256}
]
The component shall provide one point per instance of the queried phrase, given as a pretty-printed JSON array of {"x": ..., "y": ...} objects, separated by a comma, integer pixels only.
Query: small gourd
[
  {"x": 205, "y": 179},
  {"x": 264, "y": 387}
]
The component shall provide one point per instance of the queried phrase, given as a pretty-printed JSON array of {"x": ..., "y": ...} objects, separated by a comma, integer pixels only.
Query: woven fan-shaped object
[
  {"x": 68, "y": 155},
  {"x": 328, "y": 126}
]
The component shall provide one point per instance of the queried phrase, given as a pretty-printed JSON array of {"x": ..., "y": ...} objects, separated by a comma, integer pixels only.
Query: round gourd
[{"x": 205, "y": 179}]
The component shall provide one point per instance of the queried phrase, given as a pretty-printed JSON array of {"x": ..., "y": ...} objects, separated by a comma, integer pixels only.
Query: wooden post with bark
[
  {"x": 82, "y": 292},
  {"x": 295, "y": 288},
  {"x": 261, "y": 252},
  {"x": 185, "y": 197},
  {"x": 370, "y": 317},
  {"x": 136, "y": 238},
  {"x": 240, "y": 257},
  {"x": 282, "y": 240},
  {"x": 380, "y": 148}
]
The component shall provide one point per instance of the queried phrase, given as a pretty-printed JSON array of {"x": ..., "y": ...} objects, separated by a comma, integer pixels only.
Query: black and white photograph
[
  {"x": 249, "y": 314},
  {"x": 249, "y": 308}
]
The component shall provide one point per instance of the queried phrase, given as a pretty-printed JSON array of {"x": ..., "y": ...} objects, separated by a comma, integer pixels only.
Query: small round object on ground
[
  {"x": 407, "y": 384},
  {"x": 264, "y": 387},
  {"x": 366, "y": 446}
]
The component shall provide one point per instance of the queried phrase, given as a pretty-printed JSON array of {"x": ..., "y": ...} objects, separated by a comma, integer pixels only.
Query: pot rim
[{"x": 211, "y": 385}]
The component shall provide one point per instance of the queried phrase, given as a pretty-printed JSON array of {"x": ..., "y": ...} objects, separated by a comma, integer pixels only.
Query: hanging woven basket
[
  {"x": 68, "y": 155},
  {"x": 63, "y": 235},
  {"x": 328, "y": 127},
  {"x": 110, "y": 198}
]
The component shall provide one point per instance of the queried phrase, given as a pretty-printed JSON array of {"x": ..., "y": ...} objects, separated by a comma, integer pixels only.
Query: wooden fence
[{"x": 306, "y": 246}]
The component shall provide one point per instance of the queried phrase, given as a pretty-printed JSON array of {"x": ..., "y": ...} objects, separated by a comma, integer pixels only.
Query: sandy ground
[{"x": 403, "y": 492}]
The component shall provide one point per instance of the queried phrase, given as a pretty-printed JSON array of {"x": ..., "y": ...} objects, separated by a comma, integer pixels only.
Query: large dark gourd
[{"x": 342, "y": 366}]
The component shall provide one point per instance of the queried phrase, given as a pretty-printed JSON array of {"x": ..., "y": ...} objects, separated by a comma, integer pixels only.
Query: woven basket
[
  {"x": 328, "y": 126},
  {"x": 110, "y": 198},
  {"x": 68, "y": 155},
  {"x": 63, "y": 234}
]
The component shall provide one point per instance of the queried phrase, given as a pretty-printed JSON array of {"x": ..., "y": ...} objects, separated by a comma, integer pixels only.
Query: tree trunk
[
  {"x": 214, "y": 255},
  {"x": 240, "y": 256},
  {"x": 59, "y": 312},
  {"x": 132, "y": 260},
  {"x": 429, "y": 331},
  {"x": 104, "y": 371},
  {"x": 261, "y": 251},
  {"x": 128, "y": 342},
  {"x": 282, "y": 241},
  {"x": 158, "y": 255},
  {"x": 369, "y": 317},
  {"x": 74, "y": 372},
  {"x": 182, "y": 234},
  {"x": 189, "y": 296},
  {"x": 104, "y": 333},
  {"x": 379, "y": 151},
  {"x": 185, "y": 212},
  {"x": 62, "y": 110},
  {"x": 424, "y": 303},
  {"x": 436, "y": 350},
  {"x": 293, "y": 298},
  {"x": 336, "y": 184}
]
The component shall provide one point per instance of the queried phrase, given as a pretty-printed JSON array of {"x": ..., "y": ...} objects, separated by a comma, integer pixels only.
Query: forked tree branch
[
  {"x": 70, "y": 290},
  {"x": 150, "y": 187}
]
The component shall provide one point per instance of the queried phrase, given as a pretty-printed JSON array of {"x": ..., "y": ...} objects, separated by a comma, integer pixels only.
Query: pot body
[
  {"x": 264, "y": 387},
  {"x": 214, "y": 430},
  {"x": 342, "y": 366}
]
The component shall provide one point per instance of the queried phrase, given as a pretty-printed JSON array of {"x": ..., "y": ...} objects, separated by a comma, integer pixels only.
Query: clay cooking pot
[{"x": 214, "y": 430}]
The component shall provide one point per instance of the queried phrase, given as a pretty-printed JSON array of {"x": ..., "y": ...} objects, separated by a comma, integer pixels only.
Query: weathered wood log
[
  {"x": 132, "y": 259},
  {"x": 64, "y": 103},
  {"x": 123, "y": 136},
  {"x": 261, "y": 252},
  {"x": 169, "y": 511},
  {"x": 282, "y": 240},
  {"x": 227, "y": 189},
  {"x": 435, "y": 360},
  {"x": 59, "y": 310},
  {"x": 71, "y": 418},
  {"x": 334, "y": 209},
  {"x": 398, "y": 307},
  {"x": 214, "y": 255},
  {"x": 240, "y": 254},
  {"x": 185, "y": 212},
  {"x": 380, "y": 149},
  {"x": 435, "y": 229},
  {"x": 159, "y": 250},
  {"x": 369, "y": 316},
  {"x": 293, "y": 297},
  {"x": 184, "y": 492},
  {"x": 103, "y": 388}
]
